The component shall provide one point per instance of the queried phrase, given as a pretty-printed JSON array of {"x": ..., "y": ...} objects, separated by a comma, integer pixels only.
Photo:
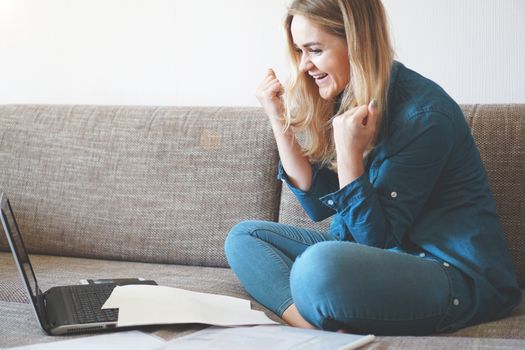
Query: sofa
[{"x": 138, "y": 191}]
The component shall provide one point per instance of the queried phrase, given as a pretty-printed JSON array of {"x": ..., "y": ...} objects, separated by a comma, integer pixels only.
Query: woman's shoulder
[
  {"x": 412, "y": 96},
  {"x": 419, "y": 109}
]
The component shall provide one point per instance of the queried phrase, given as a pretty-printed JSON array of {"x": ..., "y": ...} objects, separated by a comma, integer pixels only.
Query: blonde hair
[{"x": 363, "y": 24}]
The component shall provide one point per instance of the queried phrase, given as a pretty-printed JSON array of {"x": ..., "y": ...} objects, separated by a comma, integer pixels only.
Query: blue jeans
[{"x": 344, "y": 285}]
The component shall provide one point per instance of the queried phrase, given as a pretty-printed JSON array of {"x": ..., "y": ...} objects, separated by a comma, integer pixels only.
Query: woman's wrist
[
  {"x": 349, "y": 169},
  {"x": 274, "y": 118},
  {"x": 278, "y": 123}
]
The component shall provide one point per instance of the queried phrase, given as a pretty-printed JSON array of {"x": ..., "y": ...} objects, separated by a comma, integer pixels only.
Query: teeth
[{"x": 320, "y": 76}]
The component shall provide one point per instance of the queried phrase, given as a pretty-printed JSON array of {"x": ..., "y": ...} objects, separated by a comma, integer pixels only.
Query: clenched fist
[
  {"x": 354, "y": 131},
  {"x": 269, "y": 93}
]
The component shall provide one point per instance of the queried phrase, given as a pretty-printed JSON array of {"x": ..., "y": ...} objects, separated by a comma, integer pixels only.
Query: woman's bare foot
[{"x": 294, "y": 318}]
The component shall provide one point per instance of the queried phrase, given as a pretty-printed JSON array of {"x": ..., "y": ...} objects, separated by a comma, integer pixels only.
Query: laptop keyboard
[{"x": 88, "y": 300}]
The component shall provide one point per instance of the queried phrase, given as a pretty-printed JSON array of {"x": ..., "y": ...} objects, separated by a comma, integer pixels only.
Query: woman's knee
[
  {"x": 313, "y": 277},
  {"x": 236, "y": 238},
  {"x": 337, "y": 285},
  {"x": 238, "y": 231},
  {"x": 319, "y": 267},
  {"x": 325, "y": 265}
]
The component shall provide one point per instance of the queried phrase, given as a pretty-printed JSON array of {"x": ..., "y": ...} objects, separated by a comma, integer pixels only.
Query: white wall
[
  {"x": 474, "y": 48},
  {"x": 215, "y": 52}
]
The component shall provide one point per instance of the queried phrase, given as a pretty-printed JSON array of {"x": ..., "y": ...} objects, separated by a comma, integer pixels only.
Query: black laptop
[{"x": 62, "y": 309}]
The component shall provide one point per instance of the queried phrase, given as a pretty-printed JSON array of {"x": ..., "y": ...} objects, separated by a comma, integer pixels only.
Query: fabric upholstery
[
  {"x": 136, "y": 183},
  {"x": 159, "y": 188},
  {"x": 18, "y": 325},
  {"x": 440, "y": 343},
  {"x": 499, "y": 132}
]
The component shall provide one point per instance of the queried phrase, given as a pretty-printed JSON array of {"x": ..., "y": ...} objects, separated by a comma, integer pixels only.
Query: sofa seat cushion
[
  {"x": 440, "y": 343},
  {"x": 512, "y": 327},
  {"x": 18, "y": 325}
]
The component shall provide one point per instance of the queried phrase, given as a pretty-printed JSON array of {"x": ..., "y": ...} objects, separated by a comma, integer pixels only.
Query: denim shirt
[{"x": 424, "y": 190}]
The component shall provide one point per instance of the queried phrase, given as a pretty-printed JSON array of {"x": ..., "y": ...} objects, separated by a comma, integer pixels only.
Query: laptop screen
[{"x": 17, "y": 246}]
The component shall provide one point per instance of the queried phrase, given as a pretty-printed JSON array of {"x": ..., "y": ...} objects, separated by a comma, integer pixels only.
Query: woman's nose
[{"x": 305, "y": 64}]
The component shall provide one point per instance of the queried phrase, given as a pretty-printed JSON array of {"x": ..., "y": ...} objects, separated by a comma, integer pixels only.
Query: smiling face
[{"x": 323, "y": 56}]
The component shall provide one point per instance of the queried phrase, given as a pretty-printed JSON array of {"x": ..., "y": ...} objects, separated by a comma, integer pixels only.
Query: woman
[{"x": 415, "y": 245}]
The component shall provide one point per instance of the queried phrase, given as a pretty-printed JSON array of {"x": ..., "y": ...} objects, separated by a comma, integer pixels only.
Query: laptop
[{"x": 62, "y": 309}]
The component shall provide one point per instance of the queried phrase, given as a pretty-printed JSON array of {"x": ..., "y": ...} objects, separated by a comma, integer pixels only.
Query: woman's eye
[{"x": 316, "y": 51}]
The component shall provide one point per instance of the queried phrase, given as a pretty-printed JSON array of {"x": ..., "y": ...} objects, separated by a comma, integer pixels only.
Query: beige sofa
[{"x": 103, "y": 191}]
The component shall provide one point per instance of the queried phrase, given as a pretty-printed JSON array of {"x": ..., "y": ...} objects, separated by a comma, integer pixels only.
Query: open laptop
[{"x": 62, "y": 309}]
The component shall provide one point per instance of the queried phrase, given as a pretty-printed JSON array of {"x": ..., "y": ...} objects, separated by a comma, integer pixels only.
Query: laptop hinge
[{"x": 41, "y": 304}]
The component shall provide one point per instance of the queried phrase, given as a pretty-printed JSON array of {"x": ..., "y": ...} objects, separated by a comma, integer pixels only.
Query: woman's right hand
[
  {"x": 269, "y": 93},
  {"x": 295, "y": 164}
]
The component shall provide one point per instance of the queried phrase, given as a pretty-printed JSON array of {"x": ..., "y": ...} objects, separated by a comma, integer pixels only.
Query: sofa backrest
[
  {"x": 136, "y": 183},
  {"x": 166, "y": 184},
  {"x": 499, "y": 132}
]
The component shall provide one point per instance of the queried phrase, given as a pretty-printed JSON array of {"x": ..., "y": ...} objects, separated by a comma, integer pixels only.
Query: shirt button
[
  {"x": 422, "y": 255},
  {"x": 456, "y": 302},
  {"x": 393, "y": 194},
  {"x": 446, "y": 264},
  {"x": 330, "y": 202}
]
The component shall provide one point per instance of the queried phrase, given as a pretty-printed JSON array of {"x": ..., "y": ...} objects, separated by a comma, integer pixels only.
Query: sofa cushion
[
  {"x": 440, "y": 343},
  {"x": 136, "y": 183},
  {"x": 18, "y": 325},
  {"x": 499, "y": 132}
]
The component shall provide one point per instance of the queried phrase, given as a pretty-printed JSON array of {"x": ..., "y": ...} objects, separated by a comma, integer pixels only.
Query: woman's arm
[
  {"x": 354, "y": 131},
  {"x": 296, "y": 165},
  {"x": 324, "y": 181},
  {"x": 379, "y": 212}
]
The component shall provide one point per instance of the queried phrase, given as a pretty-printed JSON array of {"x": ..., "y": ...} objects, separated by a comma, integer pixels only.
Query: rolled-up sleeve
[
  {"x": 381, "y": 212},
  {"x": 324, "y": 181}
]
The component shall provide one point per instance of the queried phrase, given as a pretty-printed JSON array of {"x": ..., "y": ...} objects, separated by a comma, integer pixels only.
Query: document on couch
[
  {"x": 267, "y": 337},
  {"x": 153, "y": 305},
  {"x": 130, "y": 340}
]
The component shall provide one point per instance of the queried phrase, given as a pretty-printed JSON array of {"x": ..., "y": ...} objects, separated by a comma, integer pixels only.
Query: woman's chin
[{"x": 327, "y": 95}]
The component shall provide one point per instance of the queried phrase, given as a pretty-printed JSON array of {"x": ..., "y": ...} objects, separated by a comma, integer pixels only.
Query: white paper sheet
[
  {"x": 267, "y": 337},
  {"x": 148, "y": 305},
  {"x": 129, "y": 340}
]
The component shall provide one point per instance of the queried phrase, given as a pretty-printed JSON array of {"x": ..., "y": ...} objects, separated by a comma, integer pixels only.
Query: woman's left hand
[{"x": 354, "y": 130}]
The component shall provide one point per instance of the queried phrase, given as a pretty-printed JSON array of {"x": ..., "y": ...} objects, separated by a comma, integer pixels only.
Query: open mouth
[{"x": 320, "y": 78}]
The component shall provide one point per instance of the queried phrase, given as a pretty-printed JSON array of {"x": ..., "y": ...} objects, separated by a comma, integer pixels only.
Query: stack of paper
[
  {"x": 149, "y": 305},
  {"x": 131, "y": 340},
  {"x": 267, "y": 337}
]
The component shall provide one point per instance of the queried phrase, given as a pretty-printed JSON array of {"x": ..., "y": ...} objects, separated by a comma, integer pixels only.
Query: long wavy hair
[{"x": 363, "y": 24}]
